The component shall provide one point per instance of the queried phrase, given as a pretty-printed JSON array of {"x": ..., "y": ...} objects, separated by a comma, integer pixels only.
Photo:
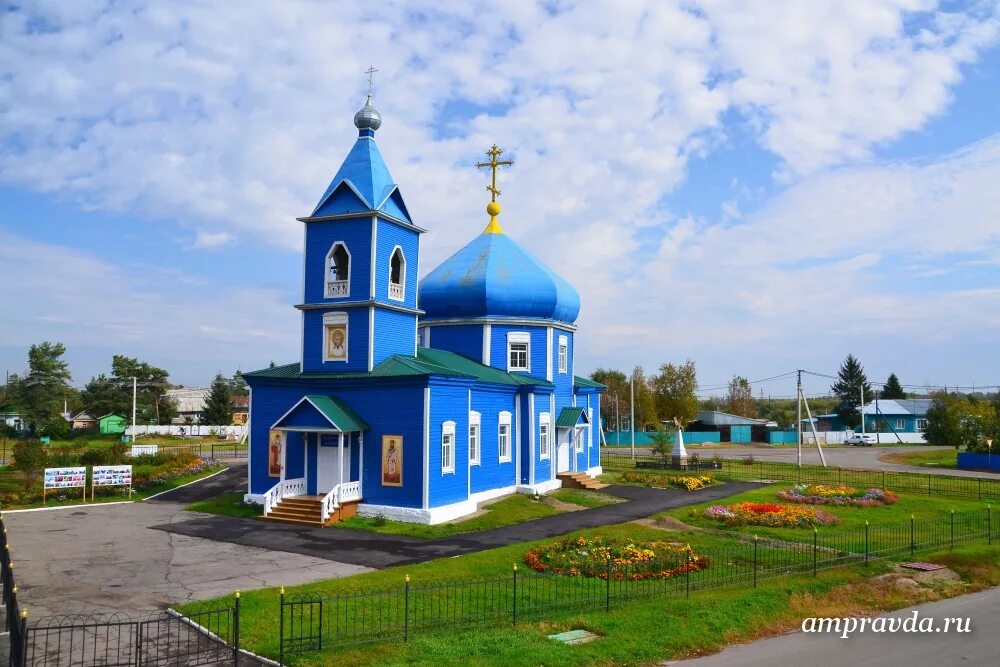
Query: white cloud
[{"x": 205, "y": 239}]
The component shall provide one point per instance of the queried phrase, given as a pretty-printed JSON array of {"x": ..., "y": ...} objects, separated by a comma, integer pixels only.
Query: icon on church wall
[
  {"x": 275, "y": 443},
  {"x": 336, "y": 342},
  {"x": 392, "y": 460}
]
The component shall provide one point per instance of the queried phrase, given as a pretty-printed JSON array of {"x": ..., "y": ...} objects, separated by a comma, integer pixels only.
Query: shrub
[
  {"x": 380, "y": 520},
  {"x": 30, "y": 457},
  {"x": 689, "y": 482},
  {"x": 837, "y": 494},
  {"x": 93, "y": 457},
  {"x": 748, "y": 460}
]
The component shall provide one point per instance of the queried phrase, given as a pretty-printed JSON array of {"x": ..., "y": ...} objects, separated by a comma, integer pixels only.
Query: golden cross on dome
[{"x": 494, "y": 153}]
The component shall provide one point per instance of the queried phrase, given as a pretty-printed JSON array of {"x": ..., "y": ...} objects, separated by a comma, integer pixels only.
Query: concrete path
[
  {"x": 378, "y": 551},
  {"x": 875, "y": 649},
  {"x": 107, "y": 558}
]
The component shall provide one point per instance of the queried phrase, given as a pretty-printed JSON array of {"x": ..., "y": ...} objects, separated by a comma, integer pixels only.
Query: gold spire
[{"x": 493, "y": 208}]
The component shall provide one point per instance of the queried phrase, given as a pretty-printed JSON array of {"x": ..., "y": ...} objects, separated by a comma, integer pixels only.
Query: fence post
[
  {"x": 607, "y": 595},
  {"x": 515, "y": 595},
  {"x": 928, "y": 484},
  {"x": 687, "y": 578},
  {"x": 989, "y": 525},
  {"x": 866, "y": 542},
  {"x": 213, "y": 452},
  {"x": 839, "y": 471},
  {"x": 815, "y": 549},
  {"x": 406, "y": 609},
  {"x": 281, "y": 629},
  {"x": 236, "y": 631},
  {"x": 913, "y": 541},
  {"x": 24, "y": 637},
  {"x": 980, "y": 485},
  {"x": 755, "y": 561},
  {"x": 883, "y": 479},
  {"x": 952, "y": 528},
  {"x": 138, "y": 643}
]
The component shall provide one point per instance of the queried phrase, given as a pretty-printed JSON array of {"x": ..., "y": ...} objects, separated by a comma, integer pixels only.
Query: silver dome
[{"x": 368, "y": 117}]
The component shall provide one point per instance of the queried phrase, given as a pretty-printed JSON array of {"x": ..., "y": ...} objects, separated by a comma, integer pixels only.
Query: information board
[
  {"x": 110, "y": 476},
  {"x": 65, "y": 478}
]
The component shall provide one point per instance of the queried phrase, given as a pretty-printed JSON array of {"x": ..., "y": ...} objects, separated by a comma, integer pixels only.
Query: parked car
[{"x": 862, "y": 439}]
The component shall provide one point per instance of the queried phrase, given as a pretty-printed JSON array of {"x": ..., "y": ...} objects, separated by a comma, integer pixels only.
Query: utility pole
[
  {"x": 863, "y": 410},
  {"x": 798, "y": 421},
  {"x": 631, "y": 419},
  {"x": 877, "y": 429},
  {"x": 135, "y": 386}
]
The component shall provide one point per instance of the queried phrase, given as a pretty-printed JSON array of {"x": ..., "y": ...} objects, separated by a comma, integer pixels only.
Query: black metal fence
[
  {"x": 16, "y": 619},
  {"x": 315, "y": 622},
  {"x": 211, "y": 451},
  {"x": 755, "y": 469}
]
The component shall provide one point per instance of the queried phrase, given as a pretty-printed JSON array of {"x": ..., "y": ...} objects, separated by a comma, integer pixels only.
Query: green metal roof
[
  {"x": 427, "y": 362},
  {"x": 587, "y": 383},
  {"x": 568, "y": 417},
  {"x": 338, "y": 413}
]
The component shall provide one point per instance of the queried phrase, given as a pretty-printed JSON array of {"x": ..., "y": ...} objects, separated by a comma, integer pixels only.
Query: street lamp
[{"x": 989, "y": 453}]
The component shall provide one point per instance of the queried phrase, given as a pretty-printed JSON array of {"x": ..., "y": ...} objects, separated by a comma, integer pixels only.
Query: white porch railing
[
  {"x": 350, "y": 491},
  {"x": 338, "y": 495},
  {"x": 283, "y": 489},
  {"x": 329, "y": 504},
  {"x": 396, "y": 291}
]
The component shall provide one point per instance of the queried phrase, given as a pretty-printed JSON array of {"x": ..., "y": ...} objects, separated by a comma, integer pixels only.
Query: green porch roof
[
  {"x": 339, "y": 414},
  {"x": 587, "y": 383},
  {"x": 568, "y": 417}
]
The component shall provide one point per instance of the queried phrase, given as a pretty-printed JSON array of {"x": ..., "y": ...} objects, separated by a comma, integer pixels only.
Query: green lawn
[
  {"x": 922, "y": 507},
  {"x": 513, "y": 509},
  {"x": 683, "y": 627},
  {"x": 935, "y": 458},
  {"x": 228, "y": 504},
  {"x": 585, "y": 497}
]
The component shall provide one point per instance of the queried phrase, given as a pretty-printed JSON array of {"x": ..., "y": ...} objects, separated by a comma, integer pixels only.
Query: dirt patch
[
  {"x": 560, "y": 505},
  {"x": 665, "y": 523}
]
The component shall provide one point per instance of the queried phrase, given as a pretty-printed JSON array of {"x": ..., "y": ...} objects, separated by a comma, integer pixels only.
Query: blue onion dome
[
  {"x": 368, "y": 118},
  {"x": 493, "y": 276}
]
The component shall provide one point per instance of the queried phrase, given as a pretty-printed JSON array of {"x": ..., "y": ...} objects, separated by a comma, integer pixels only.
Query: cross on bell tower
[{"x": 493, "y": 208}]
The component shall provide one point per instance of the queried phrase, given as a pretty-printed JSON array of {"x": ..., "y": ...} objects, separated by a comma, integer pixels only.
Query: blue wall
[
  {"x": 356, "y": 233},
  {"x": 562, "y": 381},
  {"x": 395, "y": 333},
  {"x": 782, "y": 437},
  {"x": 644, "y": 438},
  {"x": 464, "y": 339},
  {"x": 740, "y": 433},
  {"x": 449, "y": 402},
  {"x": 967, "y": 461},
  {"x": 498, "y": 347},
  {"x": 390, "y": 235},
  {"x": 357, "y": 342},
  {"x": 543, "y": 467},
  {"x": 489, "y": 402}
]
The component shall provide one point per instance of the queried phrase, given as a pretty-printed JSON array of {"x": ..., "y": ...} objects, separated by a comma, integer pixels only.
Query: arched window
[
  {"x": 397, "y": 274},
  {"x": 338, "y": 271}
]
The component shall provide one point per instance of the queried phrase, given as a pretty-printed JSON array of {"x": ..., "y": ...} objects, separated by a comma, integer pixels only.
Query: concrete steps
[
  {"x": 308, "y": 511},
  {"x": 580, "y": 480}
]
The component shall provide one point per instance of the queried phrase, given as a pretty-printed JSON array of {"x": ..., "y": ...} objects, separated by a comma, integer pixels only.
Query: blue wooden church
[{"x": 416, "y": 401}]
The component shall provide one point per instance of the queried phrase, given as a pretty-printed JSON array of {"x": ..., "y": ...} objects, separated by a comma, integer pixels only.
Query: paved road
[
  {"x": 871, "y": 649},
  {"x": 378, "y": 551},
  {"x": 107, "y": 558},
  {"x": 848, "y": 457}
]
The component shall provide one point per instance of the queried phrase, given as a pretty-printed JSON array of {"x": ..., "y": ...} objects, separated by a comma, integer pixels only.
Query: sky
[{"x": 756, "y": 186}]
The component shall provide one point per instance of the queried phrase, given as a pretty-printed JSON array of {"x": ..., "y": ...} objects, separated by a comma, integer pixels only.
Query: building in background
[
  {"x": 241, "y": 409},
  {"x": 84, "y": 421},
  {"x": 190, "y": 403},
  {"x": 112, "y": 424}
]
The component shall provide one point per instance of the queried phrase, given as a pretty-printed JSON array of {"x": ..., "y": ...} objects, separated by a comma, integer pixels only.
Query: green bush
[
  {"x": 30, "y": 457},
  {"x": 93, "y": 457}
]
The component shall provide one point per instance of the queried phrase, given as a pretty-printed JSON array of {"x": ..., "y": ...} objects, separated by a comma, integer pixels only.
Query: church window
[
  {"x": 335, "y": 337},
  {"x": 503, "y": 437},
  {"x": 474, "y": 430},
  {"x": 544, "y": 424},
  {"x": 563, "y": 354},
  {"x": 338, "y": 271},
  {"x": 397, "y": 274},
  {"x": 448, "y": 447},
  {"x": 579, "y": 439},
  {"x": 518, "y": 351}
]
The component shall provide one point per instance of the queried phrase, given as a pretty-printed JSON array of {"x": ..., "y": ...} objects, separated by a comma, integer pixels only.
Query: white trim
[
  {"x": 479, "y": 445},
  {"x": 337, "y": 317},
  {"x": 305, "y": 459},
  {"x": 476, "y": 419},
  {"x": 302, "y": 324},
  {"x": 545, "y": 419},
  {"x": 434, "y": 515},
  {"x": 402, "y": 274},
  {"x": 531, "y": 438},
  {"x": 519, "y": 338},
  {"x": 595, "y": 471},
  {"x": 554, "y": 459},
  {"x": 548, "y": 353},
  {"x": 563, "y": 354},
  {"x": 249, "y": 428},
  {"x": 448, "y": 429},
  {"x": 156, "y": 495},
  {"x": 416, "y": 335},
  {"x": 371, "y": 337},
  {"x": 590, "y": 429},
  {"x": 504, "y": 419},
  {"x": 543, "y": 487},
  {"x": 507, "y": 322},
  {"x": 82, "y": 505},
  {"x": 517, "y": 441},
  {"x": 326, "y": 271},
  {"x": 427, "y": 446},
  {"x": 487, "y": 336},
  {"x": 371, "y": 268},
  {"x": 302, "y": 428}
]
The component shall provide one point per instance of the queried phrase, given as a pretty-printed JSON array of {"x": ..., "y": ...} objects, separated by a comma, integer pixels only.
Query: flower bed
[
  {"x": 688, "y": 482},
  {"x": 837, "y": 494},
  {"x": 591, "y": 557},
  {"x": 770, "y": 514}
]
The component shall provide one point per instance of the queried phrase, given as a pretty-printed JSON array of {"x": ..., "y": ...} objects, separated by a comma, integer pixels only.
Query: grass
[
  {"x": 227, "y": 504},
  {"x": 513, "y": 509},
  {"x": 919, "y": 506},
  {"x": 584, "y": 497},
  {"x": 706, "y": 622},
  {"x": 935, "y": 458}
]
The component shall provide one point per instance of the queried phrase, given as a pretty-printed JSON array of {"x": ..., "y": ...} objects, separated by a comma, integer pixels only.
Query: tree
[
  {"x": 739, "y": 399},
  {"x": 957, "y": 421},
  {"x": 663, "y": 442},
  {"x": 218, "y": 409},
  {"x": 29, "y": 458},
  {"x": 892, "y": 388},
  {"x": 42, "y": 391},
  {"x": 614, "y": 402},
  {"x": 103, "y": 395},
  {"x": 152, "y": 384},
  {"x": 675, "y": 388},
  {"x": 237, "y": 385},
  {"x": 850, "y": 380},
  {"x": 646, "y": 416}
]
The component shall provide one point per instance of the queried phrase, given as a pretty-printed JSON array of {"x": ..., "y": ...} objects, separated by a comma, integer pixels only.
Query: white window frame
[
  {"x": 544, "y": 435},
  {"x": 563, "y": 354},
  {"x": 900, "y": 424},
  {"x": 578, "y": 434},
  {"x": 402, "y": 274},
  {"x": 921, "y": 425},
  {"x": 448, "y": 448},
  {"x": 326, "y": 272},
  {"x": 337, "y": 318},
  {"x": 475, "y": 438},
  {"x": 503, "y": 420},
  {"x": 519, "y": 338}
]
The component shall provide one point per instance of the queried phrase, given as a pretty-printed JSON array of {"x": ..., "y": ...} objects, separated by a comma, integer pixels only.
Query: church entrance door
[
  {"x": 562, "y": 464},
  {"x": 326, "y": 464}
]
